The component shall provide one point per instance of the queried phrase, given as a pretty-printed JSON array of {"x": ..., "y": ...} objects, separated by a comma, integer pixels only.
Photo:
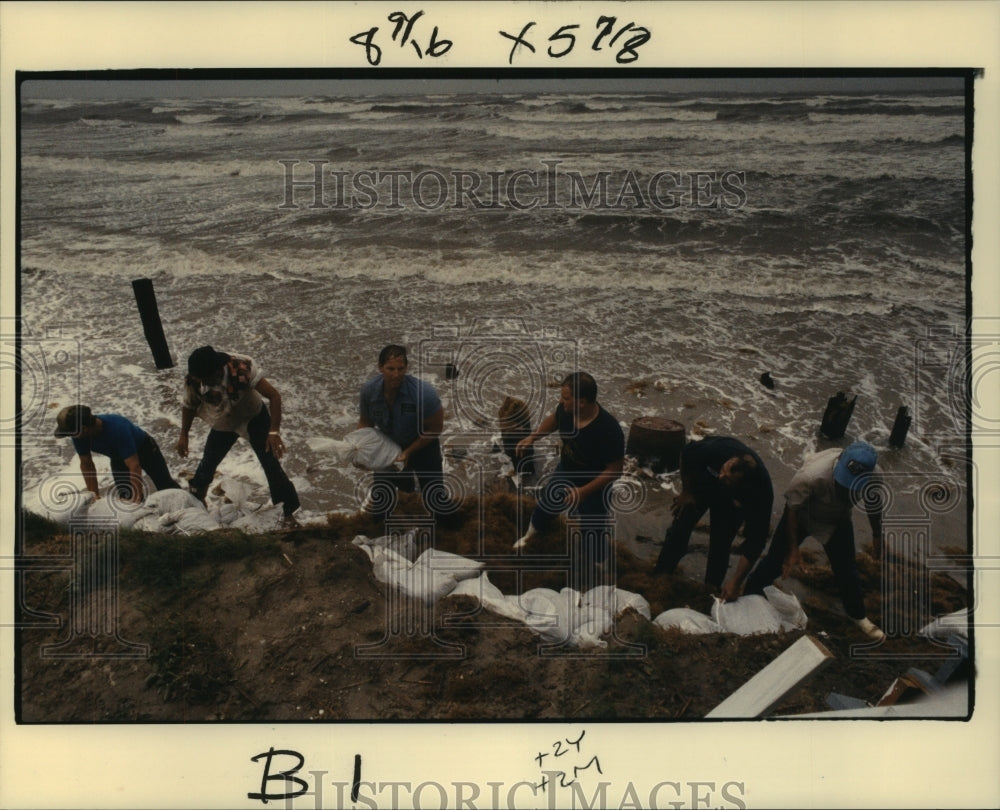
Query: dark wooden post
[
  {"x": 145, "y": 298},
  {"x": 837, "y": 415},
  {"x": 657, "y": 442},
  {"x": 900, "y": 427}
]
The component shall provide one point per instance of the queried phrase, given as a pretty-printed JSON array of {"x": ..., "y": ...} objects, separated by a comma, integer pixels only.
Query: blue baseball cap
[{"x": 855, "y": 464}]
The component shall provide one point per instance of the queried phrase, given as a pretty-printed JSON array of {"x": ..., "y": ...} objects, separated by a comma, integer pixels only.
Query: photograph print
[{"x": 472, "y": 398}]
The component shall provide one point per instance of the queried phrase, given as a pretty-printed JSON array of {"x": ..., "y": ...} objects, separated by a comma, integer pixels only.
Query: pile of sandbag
[
  {"x": 579, "y": 619},
  {"x": 774, "y": 612},
  {"x": 428, "y": 577},
  {"x": 167, "y": 511}
]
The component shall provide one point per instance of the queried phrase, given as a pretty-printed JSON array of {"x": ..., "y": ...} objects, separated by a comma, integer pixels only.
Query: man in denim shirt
[{"x": 409, "y": 412}]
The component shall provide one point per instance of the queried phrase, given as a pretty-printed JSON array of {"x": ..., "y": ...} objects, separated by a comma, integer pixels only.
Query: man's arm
[
  {"x": 135, "y": 477},
  {"x": 731, "y": 587},
  {"x": 89, "y": 474},
  {"x": 686, "y": 495},
  {"x": 274, "y": 445},
  {"x": 547, "y": 425},
  {"x": 607, "y": 476},
  {"x": 793, "y": 560},
  {"x": 187, "y": 418},
  {"x": 431, "y": 429}
]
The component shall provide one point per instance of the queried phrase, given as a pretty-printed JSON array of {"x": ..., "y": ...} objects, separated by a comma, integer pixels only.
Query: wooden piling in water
[
  {"x": 837, "y": 415},
  {"x": 152, "y": 327},
  {"x": 900, "y": 427},
  {"x": 656, "y": 442}
]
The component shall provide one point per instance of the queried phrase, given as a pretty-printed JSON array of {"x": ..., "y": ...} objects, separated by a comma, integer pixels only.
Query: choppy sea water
[{"x": 675, "y": 246}]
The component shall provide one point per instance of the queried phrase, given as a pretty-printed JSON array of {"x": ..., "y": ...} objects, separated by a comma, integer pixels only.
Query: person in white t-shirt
[
  {"x": 818, "y": 503},
  {"x": 228, "y": 392}
]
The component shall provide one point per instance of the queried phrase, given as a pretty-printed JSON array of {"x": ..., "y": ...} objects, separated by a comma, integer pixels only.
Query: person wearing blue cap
[{"x": 818, "y": 503}]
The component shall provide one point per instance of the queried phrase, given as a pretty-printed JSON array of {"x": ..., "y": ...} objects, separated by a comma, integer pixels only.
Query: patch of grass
[
  {"x": 36, "y": 527},
  {"x": 187, "y": 664},
  {"x": 160, "y": 561}
]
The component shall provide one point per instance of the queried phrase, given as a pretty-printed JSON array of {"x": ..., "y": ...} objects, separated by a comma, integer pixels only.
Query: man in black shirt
[
  {"x": 721, "y": 475},
  {"x": 592, "y": 456}
]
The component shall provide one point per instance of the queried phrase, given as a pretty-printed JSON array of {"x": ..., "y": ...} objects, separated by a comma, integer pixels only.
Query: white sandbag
[
  {"x": 405, "y": 545},
  {"x": 616, "y": 600},
  {"x": 454, "y": 565},
  {"x": 951, "y": 624},
  {"x": 125, "y": 513},
  {"x": 332, "y": 451},
  {"x": 389, "y": 567},
  {"x": 189, "y": 521},
  {"x": 257, "y": 519},
  {"x": 490, "y": 597},
  {"x": 225, "y": 513},
  {"x": 372, "y": 449},
  {"x": 236, "y": 492},
  {"x": 148, "y": 523},
  {"x": 172, "y": 500},
  {"x": 590, "y": 623},
  {"x": 433, "y": 575},
  {"x": 788, "y": 608},
  {"x": 549, "y": 612},
  {"x": 436, "y": 573},
  {"x": 687, "y": 621},
  {"x": 58, "y": 502},
  {"x": 746, "y": 616},
  {"x": 774, "y": 612}
]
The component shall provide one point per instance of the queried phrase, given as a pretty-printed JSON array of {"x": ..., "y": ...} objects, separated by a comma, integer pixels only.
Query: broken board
[{"x": 765, "y": 689}]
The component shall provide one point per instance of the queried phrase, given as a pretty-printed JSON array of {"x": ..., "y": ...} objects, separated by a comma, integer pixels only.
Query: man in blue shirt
[
  {"x": 130, "y": 449},
  {"x": 723, "y": 476},
  {"x": 409, "y": 412}
]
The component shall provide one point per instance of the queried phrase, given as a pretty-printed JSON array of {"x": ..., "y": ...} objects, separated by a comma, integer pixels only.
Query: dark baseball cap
[
  {"x": 71, "y": 420},
  {"x": 205, "y": 362}
]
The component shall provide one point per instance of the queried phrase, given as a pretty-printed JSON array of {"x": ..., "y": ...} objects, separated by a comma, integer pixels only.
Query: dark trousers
[
  {"x": 426, "y": 470},
  {"x": 592, "y": 511},
  {"x": 726, "y": 521},
  {"x": 839, "y": 551},
  {"x": 153, "y": 464},
  {"x": 220, "y": 442}
]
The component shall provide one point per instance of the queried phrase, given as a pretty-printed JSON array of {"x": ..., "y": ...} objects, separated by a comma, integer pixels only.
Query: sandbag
[
  {"x": 490, "y": 597},
  {"x": 58, "y": 502},
  {"x": 233, "y": 491},
  {"x": 616, "y": 600},
  {"x": 433, "y": 575},
  {"x": 944, "y": 627},
  {"x": 687, "y": 621},
  {"x": 125, "y": 513},
  {"x": 225, "y": 512},
  {"x": 590, "y": 622},
  {"x": 372, "y": 449},
  {"x": 774, "y": 612},
  {"x": 172, "y": 500},
  {"x": 189, "y": 521},
  {"x": 405, "y": 545}
]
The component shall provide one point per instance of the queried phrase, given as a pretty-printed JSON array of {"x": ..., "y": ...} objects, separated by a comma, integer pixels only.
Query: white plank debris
[{"x": 765, "y": 689}]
